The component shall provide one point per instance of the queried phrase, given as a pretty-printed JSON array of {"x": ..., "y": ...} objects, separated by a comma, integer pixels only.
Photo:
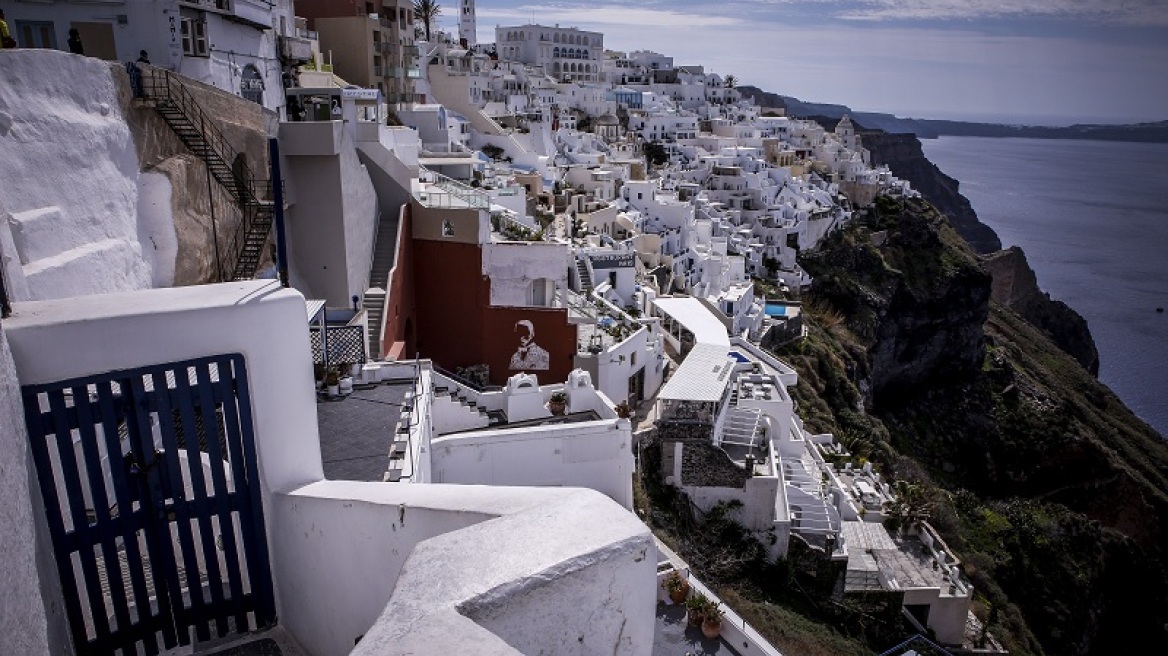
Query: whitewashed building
[{"x": 234, "y": 45}]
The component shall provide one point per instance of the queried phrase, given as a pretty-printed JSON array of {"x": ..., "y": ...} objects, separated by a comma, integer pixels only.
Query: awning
[
  {"x": 702, "y": 376},
  {"x": 697, "y": 318},
  {"x": 313, "y": 309}
]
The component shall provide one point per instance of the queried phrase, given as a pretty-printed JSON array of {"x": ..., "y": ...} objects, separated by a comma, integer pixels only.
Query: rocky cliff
[
  {"x": 1039, "y": 478},
  {"x": 917, "y": 301},
  {"x": 1016, "y": 287},
  {"x": 904, "y": 157}
]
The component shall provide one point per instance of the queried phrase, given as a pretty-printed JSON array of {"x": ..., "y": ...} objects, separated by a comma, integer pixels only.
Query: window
[
  {"x": 447, "y": 228},
  {"x": 194, "y": 37},
  {"x": 36, "y": 34}
]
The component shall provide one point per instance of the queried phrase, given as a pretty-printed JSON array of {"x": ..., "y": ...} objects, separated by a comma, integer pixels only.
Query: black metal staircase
[{"x": 169, "y": 96}]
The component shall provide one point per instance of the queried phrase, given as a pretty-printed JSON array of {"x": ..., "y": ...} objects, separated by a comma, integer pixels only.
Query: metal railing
[
  {"x": 443, "y": 191},
  {"x": 178, "y": 106}
]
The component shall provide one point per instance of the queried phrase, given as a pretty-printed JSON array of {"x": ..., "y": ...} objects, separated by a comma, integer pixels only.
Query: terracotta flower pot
[
  {"x": 557, "y": 408},
  {"x": 678, "y": 596},
  {"x": 695, "y": 616},
  {"x": 712, "y": 628}
]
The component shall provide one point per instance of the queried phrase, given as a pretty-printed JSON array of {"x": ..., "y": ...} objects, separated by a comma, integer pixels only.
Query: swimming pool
[{"x": 776, "y": 310}]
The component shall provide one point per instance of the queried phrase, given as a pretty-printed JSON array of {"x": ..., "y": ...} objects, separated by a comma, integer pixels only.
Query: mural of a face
[{"x": 529, "y": 355}]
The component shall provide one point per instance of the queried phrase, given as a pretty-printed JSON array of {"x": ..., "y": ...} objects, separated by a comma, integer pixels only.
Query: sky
[{"x": 1048, "y": 62}]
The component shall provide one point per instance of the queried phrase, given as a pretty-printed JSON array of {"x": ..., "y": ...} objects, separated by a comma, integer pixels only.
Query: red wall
[
  {"x": 457, "y": 326},
  {"x": 399, "y": 334}
]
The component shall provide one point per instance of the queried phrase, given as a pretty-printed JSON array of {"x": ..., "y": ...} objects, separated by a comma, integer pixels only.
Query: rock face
[
  {"x": 917, "y": 302},
  {"x": 904, "y": 157},
  {"x": 1053, "y": 492},
  {"x": 1016, "y": 287}
]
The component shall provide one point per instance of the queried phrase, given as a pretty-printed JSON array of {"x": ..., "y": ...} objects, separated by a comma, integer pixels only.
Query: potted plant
[
  {"x": 712, "y": 620},
  {"x": 695, "y": 606},
  {"x": 558, "y": 403},
  {"x": 624, "y": 410},
  {"x": 676, "y": 587},
  {"x": 332, "y": 381}
]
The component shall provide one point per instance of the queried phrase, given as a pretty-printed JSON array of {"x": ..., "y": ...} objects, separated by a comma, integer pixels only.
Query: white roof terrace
[
  {"x": 702, "y": 376},
  {"x": 696, "y": 318}
]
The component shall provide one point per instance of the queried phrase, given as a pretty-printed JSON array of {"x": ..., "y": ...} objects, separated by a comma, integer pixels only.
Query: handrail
[
  {"x": 466, "y": 194},
  {"x": 244, "y": 187}
]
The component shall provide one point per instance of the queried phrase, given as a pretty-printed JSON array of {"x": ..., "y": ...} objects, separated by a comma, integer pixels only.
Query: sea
[{"x": 1092, "y": 217}]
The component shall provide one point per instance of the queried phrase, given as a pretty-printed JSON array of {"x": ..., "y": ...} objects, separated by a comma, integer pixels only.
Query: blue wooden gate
[{"x": 152, "y": 495}]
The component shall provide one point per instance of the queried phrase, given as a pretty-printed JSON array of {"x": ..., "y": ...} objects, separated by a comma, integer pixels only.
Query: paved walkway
[{"x": 356, "y": 431}]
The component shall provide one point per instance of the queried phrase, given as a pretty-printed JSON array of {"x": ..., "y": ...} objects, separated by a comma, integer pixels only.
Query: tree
[
  {"x": 911, "y": 507},
  {"x": 426, "y": 11},
  {"x": 730, "y": 81},
  {"x": 655, "y": 153}
]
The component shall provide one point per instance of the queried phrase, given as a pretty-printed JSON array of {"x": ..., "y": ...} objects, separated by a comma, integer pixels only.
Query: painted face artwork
[{"x": 529, "y": 355}]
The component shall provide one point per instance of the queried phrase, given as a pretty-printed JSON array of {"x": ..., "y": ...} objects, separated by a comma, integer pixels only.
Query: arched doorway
[{"x": 251, "y": 84}]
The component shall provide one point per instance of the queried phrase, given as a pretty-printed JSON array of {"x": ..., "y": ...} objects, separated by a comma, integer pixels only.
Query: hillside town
[{"x": 329, "y": 331}]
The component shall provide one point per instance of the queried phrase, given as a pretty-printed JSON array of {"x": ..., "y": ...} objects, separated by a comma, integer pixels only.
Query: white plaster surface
[
  {"x": 69, "y": 176},
  {"x": 450, "y": 415},
  {"x": 516, "y": 584},
  {"x": 513, "y": 266},
  {"x": 118, "y": 331},
  {"x": 23, "y": 625},
  {"x": 156, "y": 230},
  {"x": 596, "y": 455}
]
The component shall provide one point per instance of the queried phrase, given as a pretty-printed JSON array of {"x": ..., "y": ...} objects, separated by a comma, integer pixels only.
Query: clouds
[
  {"x": 1066, "y": 59},
  {"x": 1129, "y": 12},
  {"x": 596, "y": 15}
]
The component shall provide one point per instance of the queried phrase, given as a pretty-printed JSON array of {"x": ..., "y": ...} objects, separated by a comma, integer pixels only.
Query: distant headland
[{"x": 1156, "y": 132}]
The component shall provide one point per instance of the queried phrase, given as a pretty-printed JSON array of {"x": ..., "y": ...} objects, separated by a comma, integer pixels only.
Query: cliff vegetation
[{"x": 1048, "y": 488}]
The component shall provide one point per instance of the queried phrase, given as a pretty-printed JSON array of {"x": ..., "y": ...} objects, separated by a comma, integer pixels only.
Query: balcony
[
  {"x": 220, "y": 6},
  {"x": 295, "y": 49},
  {"x": 437, "y": 190},
  {"x": 383, "y": 46},
  {"x": 312, "y": 66}
]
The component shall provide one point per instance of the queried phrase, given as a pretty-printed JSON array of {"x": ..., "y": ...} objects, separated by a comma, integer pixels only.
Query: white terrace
[{"x": 363, "y": 568}]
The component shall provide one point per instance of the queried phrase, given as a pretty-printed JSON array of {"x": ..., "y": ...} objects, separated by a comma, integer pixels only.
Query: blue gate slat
[
  {"x": 224, "y": 390},
  {"x": 105, "y": 526},
  {"x": 147, "y": 620},
  {"x": 39, "y": 432},
  {"x": 158, "y": 548},
  {"x": 195, "y": 399},
  {"x": 123, "y": 396},
  {"x": 72, "y": 478},
  {"x": 166, "y": 430},
  {"x": 257, "y": 559},
  {"x": 206, "y": 405}
]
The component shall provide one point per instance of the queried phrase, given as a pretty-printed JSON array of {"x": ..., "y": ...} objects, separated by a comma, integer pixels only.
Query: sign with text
[
  {"x": 611, "y": 260},
  {"x": 361, "y": 94}
]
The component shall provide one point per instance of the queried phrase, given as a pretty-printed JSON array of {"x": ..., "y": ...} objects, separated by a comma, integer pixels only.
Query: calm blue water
[
  {"x": 1092, "y": 217},
  {"x": 776, "y": 310}
]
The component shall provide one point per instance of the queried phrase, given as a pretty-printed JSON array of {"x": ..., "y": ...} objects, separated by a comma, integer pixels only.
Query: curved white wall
[{"x": 69, "y": 182}]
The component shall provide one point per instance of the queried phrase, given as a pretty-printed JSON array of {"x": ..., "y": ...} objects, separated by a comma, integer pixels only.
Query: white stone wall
[
  {"x": 595, "y": 455},
  {"x": 513, "y": 266},
  {"x": 23, "y": 627},
  {"x": 69, "y": 183},
  {"x": 572, "y": 575}
]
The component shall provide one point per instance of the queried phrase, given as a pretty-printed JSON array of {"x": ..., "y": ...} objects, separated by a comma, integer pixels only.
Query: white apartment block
[{"x": 567, "y": 54}]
